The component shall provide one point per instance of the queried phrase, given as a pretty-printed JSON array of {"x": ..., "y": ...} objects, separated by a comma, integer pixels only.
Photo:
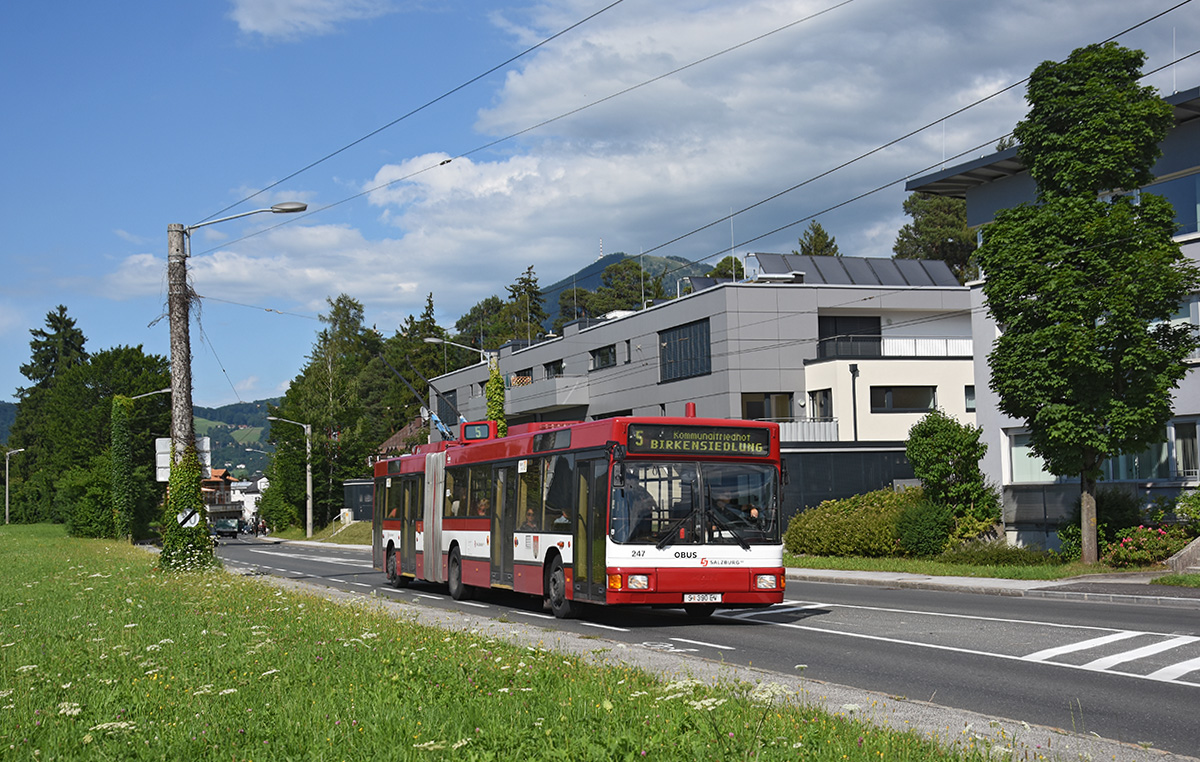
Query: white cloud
[{"x": 295, "y": 19}]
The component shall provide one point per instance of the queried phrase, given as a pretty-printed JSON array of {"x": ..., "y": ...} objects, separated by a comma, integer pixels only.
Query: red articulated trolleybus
[{"x": 678, "y": 512}]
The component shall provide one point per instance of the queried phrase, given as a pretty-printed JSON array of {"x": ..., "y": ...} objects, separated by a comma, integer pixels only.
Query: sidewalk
[{"x": 1106, "y": 588}]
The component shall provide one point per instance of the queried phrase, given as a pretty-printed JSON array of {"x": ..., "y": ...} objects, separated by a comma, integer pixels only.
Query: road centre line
[
  {"x": 476, "y": 605},
  {"x": 1167, "y": 674},
  {"x": 530, "y": 613},
  {"x": 1082, "y": 645},
  {"x": 1140, "y": 653},
  {"x": 602, "y": 626},
  {"x": 339, "y": 581},
  {"x": 702, "y": 643},
  {"x": 430, "y": 597},
  {"x": 959, "y": 616}
]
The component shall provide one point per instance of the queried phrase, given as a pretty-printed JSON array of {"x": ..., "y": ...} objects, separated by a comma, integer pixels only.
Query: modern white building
[
  {"x": 1035, "y": 502},
  {"x": 847, "y": 353}
]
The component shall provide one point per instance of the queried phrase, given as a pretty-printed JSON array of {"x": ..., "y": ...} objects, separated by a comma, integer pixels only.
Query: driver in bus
[{"x": 632, "y": 508}]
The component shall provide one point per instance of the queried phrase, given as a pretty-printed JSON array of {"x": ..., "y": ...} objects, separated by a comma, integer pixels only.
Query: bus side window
[{"x": 456, "y": 492}]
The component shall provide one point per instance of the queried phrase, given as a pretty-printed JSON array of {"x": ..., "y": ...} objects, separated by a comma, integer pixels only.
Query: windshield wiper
[
  {"x": 669, "y": 537},
  {"x": 725, "y": 523}
]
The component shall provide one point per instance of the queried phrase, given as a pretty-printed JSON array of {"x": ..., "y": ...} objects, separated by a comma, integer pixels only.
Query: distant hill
[
  {"x": 588, "y": 277},
  {"x": 232, "y": 430},
  {"x": 8, "y": 414}
]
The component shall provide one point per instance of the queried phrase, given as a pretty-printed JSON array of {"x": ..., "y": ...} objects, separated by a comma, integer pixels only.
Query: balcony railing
[{"x": 894, "y": 346}]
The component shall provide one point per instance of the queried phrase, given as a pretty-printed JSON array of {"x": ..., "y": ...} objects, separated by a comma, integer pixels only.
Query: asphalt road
[{"x": 1129, "y": 673}]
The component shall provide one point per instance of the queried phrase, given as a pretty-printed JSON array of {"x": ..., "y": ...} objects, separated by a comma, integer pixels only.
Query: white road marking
[
  {"x": 1140, "y": 653},
  {"x": 603, "y": 626},
  {"x": 476, "y": 605},
  {"x": 1082, "y": 645},
  {"x": 702, "y": 643},
  {"x": 1169, "y": 674},
  {"x": 530, "y": 613}
]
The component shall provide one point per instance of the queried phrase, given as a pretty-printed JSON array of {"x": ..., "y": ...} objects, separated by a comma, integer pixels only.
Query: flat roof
[{"x": 957, "y": 180}]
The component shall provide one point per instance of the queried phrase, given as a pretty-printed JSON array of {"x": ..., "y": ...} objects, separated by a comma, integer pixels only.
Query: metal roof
[
  {"x": 957, "y": 180},
  {"x": 858, "y": 271}
]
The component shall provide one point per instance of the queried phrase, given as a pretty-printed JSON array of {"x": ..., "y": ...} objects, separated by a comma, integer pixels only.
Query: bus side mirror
[
  {"x": 618, "y": 474},
  {"x": 783, "y": 472}
]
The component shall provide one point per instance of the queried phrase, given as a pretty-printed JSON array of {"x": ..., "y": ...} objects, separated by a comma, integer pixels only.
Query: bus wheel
[
  {"x": 395, "y": 579},
  {"x": 458, "y": 591},
  {"x": 556, "y": 591},
  {"x": 700, "y": 610}
]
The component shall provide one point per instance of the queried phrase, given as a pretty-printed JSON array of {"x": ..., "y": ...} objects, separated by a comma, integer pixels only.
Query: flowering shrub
[{"x": 1143, "y": 546}]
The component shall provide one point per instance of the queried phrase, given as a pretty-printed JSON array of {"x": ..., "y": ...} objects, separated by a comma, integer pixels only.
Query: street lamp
[
  {"x": 7, "y": 455},
  {"x": 484, "y": 355},
  {"x": 183, "y": 432},
  {"x": 307, "y": 467},
  {"x": 147, "y": 394}
]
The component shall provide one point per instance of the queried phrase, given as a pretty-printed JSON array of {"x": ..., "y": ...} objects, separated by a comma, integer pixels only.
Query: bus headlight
[
  {"x": 639, "y": 581},
  {"x": 766, "y": 581}
]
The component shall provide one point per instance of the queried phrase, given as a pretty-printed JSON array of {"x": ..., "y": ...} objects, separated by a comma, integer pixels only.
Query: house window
[
  {"x": 685, "y": 351},
  {"x": 553, "y": 369},
  {"x": 521, "y": 378},
  {"x": 1027, "y": 467},
  {"x": 903, "y": 399},
  {"x": 767, "y": 405},
  {"x": 1187, "y": 465},
  {"x": 820, "y": 405},
  {"x": 969, "y": 394},
  {"x": 447, "y": 406},
  {"x": 848, "y": 336},
  {"x": 604, "y": 357}
]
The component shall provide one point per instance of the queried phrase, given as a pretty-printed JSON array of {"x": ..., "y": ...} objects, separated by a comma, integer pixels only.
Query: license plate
[{"x": 701, "y": 597}]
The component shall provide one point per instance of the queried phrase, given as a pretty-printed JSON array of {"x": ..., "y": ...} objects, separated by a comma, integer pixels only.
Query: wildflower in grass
[
  {"x": 27, "y": 668},
  {"x": 269, "y": 672},
  {"x": 112, "y": 728},
  {"x": 128, "y": 626},
  {"x": 69, "y": 709}
]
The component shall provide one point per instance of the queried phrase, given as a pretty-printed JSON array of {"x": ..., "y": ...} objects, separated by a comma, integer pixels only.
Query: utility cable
[{"x": 417, "y": 110}]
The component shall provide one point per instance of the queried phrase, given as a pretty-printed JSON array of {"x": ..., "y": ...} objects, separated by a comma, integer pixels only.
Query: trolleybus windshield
[{"x": 687, "y": 503}]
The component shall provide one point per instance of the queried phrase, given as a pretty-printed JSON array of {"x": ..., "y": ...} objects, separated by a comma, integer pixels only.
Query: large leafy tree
[
  {"x": 816, "y": 242},
  {"x": 483, "y": 325},
  {"x": 938, "y": 231},
  {"x": 1083, "y": 283}
]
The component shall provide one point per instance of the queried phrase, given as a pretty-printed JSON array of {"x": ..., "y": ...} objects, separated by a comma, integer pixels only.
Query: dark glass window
[
  {"x": 685, "y": 351},
  {"x": 604, "y": 357},
  {"x": 903, "y": 399}
]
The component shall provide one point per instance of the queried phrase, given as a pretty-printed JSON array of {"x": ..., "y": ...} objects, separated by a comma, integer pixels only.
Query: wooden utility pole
[{"x": 183, "y": 429}]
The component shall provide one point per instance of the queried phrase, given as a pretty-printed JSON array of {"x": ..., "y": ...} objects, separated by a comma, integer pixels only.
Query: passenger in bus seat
[
  {"x": 483, "y": 507},
  {"x": 530, "y": 524}
]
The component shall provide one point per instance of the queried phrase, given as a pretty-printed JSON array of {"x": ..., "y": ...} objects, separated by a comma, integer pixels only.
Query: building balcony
[
  {"x": 861, "y": 347},
  {"x": 809, "y": 430},
  {"x": 526, "y": 396}
]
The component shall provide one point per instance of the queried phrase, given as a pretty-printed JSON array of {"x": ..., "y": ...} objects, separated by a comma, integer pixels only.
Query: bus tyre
[
  {"x": 395, "y": 579},
  {"x": 556, "y": 591},
  {"x": 700, "y": 610},
  {"x": 458, "y": 591}
]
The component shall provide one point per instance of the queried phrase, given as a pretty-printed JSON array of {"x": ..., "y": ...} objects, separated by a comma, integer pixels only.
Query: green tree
[
  {"x": 1084, "y": 286},
  {"x": 524, "y": 312},
  {"x": 817, "y": 243},
  {"x": 573, "y": 303},
  {"x": 624, "y": 284},
  {"x": 729, "y": 267},
  {"x": 494, "y": 392},
  {"x": 938, "y": 231},
  {"x": 945, "y": 456},
  {"x": 124, "y": 490},
  {"x": 483, "y": 325},
  {"x": 56, "y": 349}
]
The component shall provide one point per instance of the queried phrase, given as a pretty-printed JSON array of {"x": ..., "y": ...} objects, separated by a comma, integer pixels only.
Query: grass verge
[
  {"x": 104, "y": 657},
  {"x": 1178, "y": 580},
  {"x": 937, "y": 569}
]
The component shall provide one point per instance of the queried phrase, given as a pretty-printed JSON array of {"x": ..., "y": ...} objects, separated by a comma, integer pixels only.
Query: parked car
[{"x": 226, "y": 527}]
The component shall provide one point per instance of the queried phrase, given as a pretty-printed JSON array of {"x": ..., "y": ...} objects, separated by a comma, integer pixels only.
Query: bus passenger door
[
  {"x": 411, "y": 508},
  {"x": 435, "y": 483},
  {"x": 504, "y": 523}
]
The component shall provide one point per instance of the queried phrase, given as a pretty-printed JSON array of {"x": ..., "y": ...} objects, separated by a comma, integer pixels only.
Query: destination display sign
[{"x": 699, "y": 440}]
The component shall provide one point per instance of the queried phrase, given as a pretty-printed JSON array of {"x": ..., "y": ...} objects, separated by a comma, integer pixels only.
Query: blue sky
[{"x": 121, "y": 118}]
